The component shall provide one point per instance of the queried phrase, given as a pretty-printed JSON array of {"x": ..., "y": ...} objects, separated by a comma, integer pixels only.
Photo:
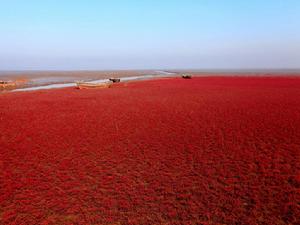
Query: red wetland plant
[{"x": 210, "y": 150}]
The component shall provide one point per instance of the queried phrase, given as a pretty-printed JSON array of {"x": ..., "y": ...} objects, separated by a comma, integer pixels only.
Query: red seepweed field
[{"x": 210, "y": 150}]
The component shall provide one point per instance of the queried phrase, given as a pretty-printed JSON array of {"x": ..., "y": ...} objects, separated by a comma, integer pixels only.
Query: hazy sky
[{"x": 138, "y": 34}]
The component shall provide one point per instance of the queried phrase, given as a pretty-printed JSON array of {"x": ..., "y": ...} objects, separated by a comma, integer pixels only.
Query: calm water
[{"x": 40, "y": 81}]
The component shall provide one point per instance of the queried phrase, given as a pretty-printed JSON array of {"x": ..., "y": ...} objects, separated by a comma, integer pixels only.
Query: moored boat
[
  {"x": 186, "y": 76},
  {"x": 115, "y": 80},
  {"x": 86, "y": 85}
]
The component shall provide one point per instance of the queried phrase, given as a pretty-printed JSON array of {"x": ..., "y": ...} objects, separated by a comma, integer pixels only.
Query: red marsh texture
[{"x": 202, "y": 151}]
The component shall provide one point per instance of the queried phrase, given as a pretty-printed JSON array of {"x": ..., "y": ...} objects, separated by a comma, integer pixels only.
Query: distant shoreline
[
  {"x": 254, "y": 70},
  {"x": 36, "y": 80}
]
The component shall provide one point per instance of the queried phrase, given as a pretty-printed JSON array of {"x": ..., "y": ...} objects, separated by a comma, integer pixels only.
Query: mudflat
[{"x": 37, "y": 78}]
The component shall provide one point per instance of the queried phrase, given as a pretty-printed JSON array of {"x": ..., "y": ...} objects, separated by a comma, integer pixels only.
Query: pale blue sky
[{"x": 149, "y": 34}]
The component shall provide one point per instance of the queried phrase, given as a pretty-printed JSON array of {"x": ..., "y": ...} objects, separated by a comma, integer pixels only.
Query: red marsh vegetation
[{"x": 210, "y": 150}]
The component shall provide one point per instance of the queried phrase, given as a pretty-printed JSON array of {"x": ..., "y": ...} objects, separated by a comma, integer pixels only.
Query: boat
[
  {"x": 87, "y": 85},
  {"x": 186, "y": 76},
  {"x": 7, "y": 84},
  {"x": 115, "y": 80}
]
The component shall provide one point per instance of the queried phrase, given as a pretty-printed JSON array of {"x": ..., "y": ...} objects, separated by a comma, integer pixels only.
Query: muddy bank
[{"x": 35, "y": 80}]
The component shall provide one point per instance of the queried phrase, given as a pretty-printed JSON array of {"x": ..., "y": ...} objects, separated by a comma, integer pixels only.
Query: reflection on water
[{"x": 51, "y": 86}]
